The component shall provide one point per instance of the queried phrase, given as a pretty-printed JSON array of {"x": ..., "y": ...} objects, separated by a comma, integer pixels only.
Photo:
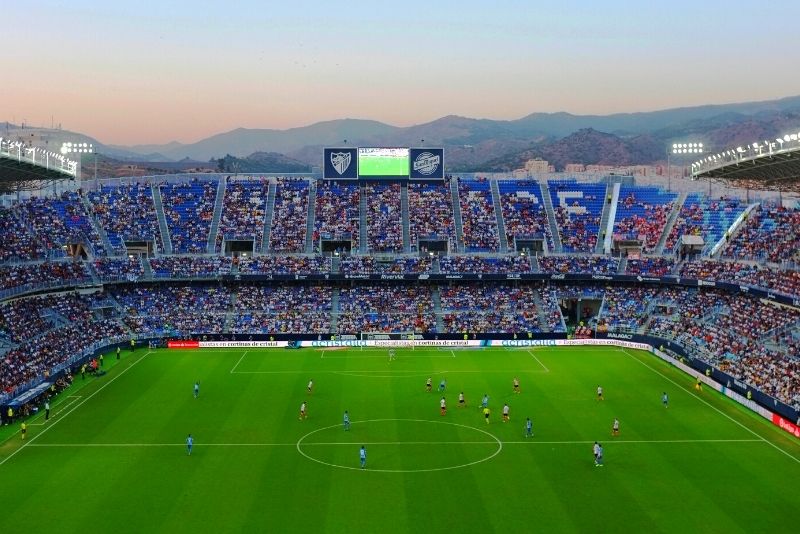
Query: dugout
[{"x": 579, "y": 309}]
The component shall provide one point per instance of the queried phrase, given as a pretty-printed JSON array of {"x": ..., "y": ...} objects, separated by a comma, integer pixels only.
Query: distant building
[
  {"x": 575, "y": 167},
  {"x": 538, "y": 166}
]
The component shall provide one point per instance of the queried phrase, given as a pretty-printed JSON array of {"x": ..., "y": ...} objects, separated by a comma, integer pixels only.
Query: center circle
[{"x": 311, "y": 441}]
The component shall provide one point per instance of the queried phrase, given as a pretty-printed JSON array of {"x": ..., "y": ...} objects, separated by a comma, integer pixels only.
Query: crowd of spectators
[
  {"x": 782, "y": 281},
  {"x": 371, "y": 265},
  {"x": 174, "y": 309},
  {"x": 336, "y": 212},
  {"x": 60, "y": 221},
  {"x": 129, "y": 268},
  {"x": 484, "y": 265},
  {"x": 283, "y": 309},
  {"x": 478, "y": 218},
  {"x": 284, "y": 265},
  {"x": 430, "y": 212},
  {"x": 578, "y": 208},
  {"x": 289, "y": 216},
  {"x": 36, "y": 357},
  {"x": 704, "y": 217},
  {"x": 384, "y": 217},
  {"x": 386, "y": 308},
  {"x": 127, "y": 213},
  {"x": 642, "y": 214},
  {"x": 17, "y": 243},
  {"x": 47, "y": 273},
  {"x": 243, "y": 211},
  {"x": 578, "y": 264},
  {"x": 771, "y": 233},
  {"x": 490, "y": 308},
  {"x": 650, "y": 266},
  {"x": 189, "y": 209},
  {"x": 190, "y": 266},
  {"x": 625, "y": 306},
  {"x": 524, "y": 214}
]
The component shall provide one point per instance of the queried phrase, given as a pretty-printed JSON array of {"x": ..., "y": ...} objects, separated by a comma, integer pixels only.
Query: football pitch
[{"x": 113, "y": 456}]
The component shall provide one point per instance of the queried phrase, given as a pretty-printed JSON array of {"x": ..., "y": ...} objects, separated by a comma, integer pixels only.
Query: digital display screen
[{"x": 383, "y": 162}]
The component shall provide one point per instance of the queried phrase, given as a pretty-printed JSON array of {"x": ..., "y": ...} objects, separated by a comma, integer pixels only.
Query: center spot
[{"x": 400, "y": 445}]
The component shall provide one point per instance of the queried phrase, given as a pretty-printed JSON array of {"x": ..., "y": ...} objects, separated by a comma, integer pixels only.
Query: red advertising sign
[
  {"x": 788, "y": 426},
  {"x": 179, "y": 344}
]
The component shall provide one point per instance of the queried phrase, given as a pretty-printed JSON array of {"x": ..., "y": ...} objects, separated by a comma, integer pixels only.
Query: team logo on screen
[
  {"x": 341, "y": 161},
  {"x": 426, "y": 163}
]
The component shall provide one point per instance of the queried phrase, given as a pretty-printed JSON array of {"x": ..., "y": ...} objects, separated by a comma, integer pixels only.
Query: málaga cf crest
[{"x": 341, "y": 161}]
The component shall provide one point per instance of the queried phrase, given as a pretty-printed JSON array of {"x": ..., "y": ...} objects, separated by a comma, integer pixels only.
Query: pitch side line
[
  {"x": 546, "y": 370},
  {"x": 64, "y": 407},
  {"x": 762, "y": 438},
  {"x": 239, "y": 361},
  {"x": 101, "y": 388},
  {"x": 356, "y": 371},
  {"x": 532, "y": 441}
]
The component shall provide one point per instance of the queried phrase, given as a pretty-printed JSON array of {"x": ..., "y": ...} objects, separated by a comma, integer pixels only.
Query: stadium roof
[
  {"x": 770, "y": 165},
  {"x": 25, "y": 168}
]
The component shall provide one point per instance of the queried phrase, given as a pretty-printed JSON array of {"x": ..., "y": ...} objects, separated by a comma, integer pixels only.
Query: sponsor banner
[
  {"x": 612, "y": 342},
  {"x": 180, "y": 344},
  {"x": 522, "y": 343},
  {"x": 340, "y": 163},
  {"x": 243, "y": 344},
  {"x": 394, "y": 343},
  {"x": 427, "y": 163},
  {"x": 788, "y": 426}
]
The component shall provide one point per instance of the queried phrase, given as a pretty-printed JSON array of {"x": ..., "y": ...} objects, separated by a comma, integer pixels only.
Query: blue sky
[{"x": 149, "y": 72}]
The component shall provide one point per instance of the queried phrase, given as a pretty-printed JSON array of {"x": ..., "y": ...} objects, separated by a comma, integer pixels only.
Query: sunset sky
[{"x": 163, "y": 71}]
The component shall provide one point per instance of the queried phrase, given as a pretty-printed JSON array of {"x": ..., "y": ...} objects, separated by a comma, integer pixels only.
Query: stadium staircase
[
  {"x": 606, "y": 230},
  {"x": 148, "y": 271},
  {"x": 623, "y": 264},
  {"x": 230, "y": 313},
  {"x": 535, "y": 268},
  {"x": 551, "y": 218},
  {"x": 162, "y": 219},
  {"x": 405, "y": 216},
  {"x": 540, "y": 307},
  {"x": 312, "y": 201},
  {"x": 211, "y": 247},
  {"x": 96, "y": 225},
  {"x": 673, "y": 217},
  {"x": 737, "y": 225},
  {"x": 435, "y": 267},
  {"x": 457, "y": 215},
  {"x": 498, "y": 213},
  {"x": 363, "y": 236},
  {"x": 270, "y": 213},
  {"x": 336, "y": 264},
  {"x": 437, "y": 309},
  {"x": 335, "y": 310}
]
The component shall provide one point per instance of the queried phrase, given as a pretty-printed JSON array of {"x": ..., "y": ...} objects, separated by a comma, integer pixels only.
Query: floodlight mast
[{"x": 681, "y": 150}]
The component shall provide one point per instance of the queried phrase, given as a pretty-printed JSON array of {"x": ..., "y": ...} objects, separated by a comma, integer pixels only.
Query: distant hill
[
  {"x": 485, "y": 144},
  {"x": 261, "y": 162}
]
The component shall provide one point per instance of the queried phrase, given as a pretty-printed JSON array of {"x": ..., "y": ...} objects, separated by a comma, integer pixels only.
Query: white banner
[{"x": 242, "y": 344}]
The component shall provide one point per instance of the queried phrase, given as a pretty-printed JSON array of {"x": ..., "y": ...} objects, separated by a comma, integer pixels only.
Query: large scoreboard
[{"x": 381, "y": 163}]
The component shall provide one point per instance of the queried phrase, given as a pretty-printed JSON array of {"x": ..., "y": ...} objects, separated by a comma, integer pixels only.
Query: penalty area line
[
  {"x": 685, "y": 390},
  {"x": 546, "y": 370},
  {"x": 239, "y": 361},
  {"x": 101, "y": 388}
]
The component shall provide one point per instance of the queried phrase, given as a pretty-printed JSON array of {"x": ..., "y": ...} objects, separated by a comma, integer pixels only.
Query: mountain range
[{"x": 492, "y": 145}]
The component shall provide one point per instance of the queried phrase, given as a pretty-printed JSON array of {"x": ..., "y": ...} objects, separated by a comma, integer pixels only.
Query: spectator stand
[
  {"x": 525, "y": 217},
  {"x": 578, "y": 207},
  {"x": 189, "y": 210},
  {"x": 289, "y": 220},
  {"x": 478, "y": 217}
]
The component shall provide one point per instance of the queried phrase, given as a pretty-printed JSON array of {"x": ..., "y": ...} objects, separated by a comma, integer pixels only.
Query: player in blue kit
[
  {"x": 362, "y": 455},
  {"x": 529, "y": 428},
  {"x": 665, "y": 400},
  {"x": 346, "y": 420},
  {"x": 196, "y": 389},
  {"x": 189, "y": 444}
]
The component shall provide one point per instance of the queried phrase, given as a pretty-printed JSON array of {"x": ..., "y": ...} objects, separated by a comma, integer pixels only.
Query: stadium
[{"x": 370, "y": 280}]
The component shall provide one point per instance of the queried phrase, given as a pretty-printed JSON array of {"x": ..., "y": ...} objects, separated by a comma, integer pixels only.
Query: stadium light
[{"x": 680, "y": 149}]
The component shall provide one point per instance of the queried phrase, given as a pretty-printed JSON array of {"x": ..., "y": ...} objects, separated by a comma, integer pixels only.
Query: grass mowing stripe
[
  {"x": 101, "y": 388},
  {"x": 712, "y": 406}
]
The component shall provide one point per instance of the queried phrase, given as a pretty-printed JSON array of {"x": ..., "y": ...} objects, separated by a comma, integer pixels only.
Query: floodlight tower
[
  {"x": 81, "y": 148},
  {"x": 681, "y": 150}
]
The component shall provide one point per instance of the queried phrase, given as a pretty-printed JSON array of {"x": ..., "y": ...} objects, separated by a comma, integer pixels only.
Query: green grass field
[{"x": 113, "y": 458}]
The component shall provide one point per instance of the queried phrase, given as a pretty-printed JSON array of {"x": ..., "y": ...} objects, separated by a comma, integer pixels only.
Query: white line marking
[
  {"x": 352, "y": 372},
  {"x": 453, "y": 353},
  {"x": 712, "y": 406},
  {"x": 101, "y": 388},
  {"x": 240, "y": 361},
  {"x": 532, "y": 441},
  {"x": 63, "y": 407},
  {"x": 546, "y": 370}
]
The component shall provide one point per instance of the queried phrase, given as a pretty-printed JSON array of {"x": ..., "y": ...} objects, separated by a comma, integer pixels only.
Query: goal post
[{"x": 390, "y": 339}]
